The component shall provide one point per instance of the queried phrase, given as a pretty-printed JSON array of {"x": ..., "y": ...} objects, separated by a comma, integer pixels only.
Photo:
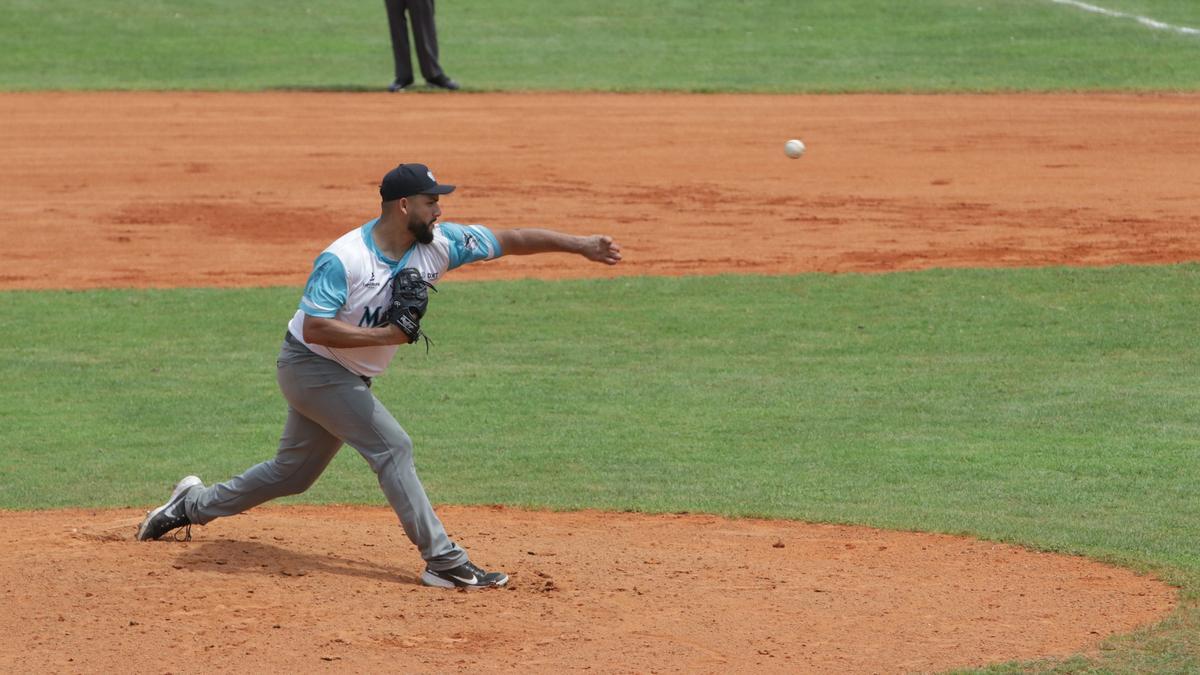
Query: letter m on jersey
[{"x": 371, "y": 318}]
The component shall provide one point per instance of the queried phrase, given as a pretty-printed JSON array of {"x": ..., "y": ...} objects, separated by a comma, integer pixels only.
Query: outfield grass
[
  {"x": 622, "y": 45},
  {"x": 1053, "y": 408}
]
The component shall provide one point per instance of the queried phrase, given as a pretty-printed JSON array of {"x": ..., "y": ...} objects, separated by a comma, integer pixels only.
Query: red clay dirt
[
  {"x": 122, "y": 190},
  {"x": 312, "y": 589},
  {"x": 166, "y": 190}
]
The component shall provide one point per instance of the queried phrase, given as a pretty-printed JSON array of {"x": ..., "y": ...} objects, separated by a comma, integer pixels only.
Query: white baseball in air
[{"x": 794, "y": 148}]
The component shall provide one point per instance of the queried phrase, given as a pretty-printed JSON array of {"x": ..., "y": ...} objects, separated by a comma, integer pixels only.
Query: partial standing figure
[
  {"x": 345, "y": 332},
  {"x": 424, "y": 29}
]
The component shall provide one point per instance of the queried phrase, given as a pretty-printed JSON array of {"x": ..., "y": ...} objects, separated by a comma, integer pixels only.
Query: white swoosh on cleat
[{"x": 469, "y": 580}]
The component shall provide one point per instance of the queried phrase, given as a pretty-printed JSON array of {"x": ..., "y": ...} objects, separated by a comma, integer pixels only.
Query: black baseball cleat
[
  {"x": 397, "y": 85},
  {"x": 169, "y": 516},
  {"x": 443, "y": 82},
  {"x": 465, "y": 575}
]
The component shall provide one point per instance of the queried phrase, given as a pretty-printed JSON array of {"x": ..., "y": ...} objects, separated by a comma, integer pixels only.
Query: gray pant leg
[
  {"x": 305, "y": 449},
  {"x": 369, "y": 428},
  {"x": 329, "y": 404}
]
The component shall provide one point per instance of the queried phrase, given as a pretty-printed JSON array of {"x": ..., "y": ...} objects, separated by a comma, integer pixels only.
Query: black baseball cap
[{"x": 407, "y": 180}]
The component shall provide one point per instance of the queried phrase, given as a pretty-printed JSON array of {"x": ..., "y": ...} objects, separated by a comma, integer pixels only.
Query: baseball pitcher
[{"x": 366, "y": 296}]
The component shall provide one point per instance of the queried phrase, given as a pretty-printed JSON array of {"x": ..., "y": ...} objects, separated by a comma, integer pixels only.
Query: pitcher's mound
[{"x": 309, "y": 589}]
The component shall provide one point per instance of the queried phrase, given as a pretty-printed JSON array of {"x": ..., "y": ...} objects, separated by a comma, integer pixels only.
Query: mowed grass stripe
[
  {"x": 1053, "y": 407},
  {"x": 617, "y": 45}
]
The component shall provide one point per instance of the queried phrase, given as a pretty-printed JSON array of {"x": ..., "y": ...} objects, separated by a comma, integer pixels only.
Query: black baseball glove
[{"x": 410, "y": 299}]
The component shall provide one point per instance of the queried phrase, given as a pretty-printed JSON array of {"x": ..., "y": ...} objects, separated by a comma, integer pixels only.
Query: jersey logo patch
[
  {"x": 371, "y": 283},
  {"x": 371, "y": 318}
]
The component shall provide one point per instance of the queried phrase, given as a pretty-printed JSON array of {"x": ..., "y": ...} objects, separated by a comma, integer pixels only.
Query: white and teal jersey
[{"x": 351, "y": 282}]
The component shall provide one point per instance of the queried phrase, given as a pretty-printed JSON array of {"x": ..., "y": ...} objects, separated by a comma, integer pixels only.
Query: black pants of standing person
[{"x": 424, "y": 29}]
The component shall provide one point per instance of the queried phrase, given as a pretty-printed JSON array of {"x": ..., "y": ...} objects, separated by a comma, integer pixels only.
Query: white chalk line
[{"x": 1144, "y": 20}]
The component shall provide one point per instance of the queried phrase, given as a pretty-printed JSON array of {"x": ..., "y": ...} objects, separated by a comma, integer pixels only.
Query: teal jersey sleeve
[
  {"x": 325, "y": 292},
  {"x": 469, "y": 243}
]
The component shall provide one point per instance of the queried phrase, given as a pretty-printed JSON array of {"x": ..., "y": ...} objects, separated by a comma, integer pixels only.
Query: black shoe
[
  {"x": 397, "y": 85},
  {"x": 465, "y": 575},
  {"x": 443, "y": 82},
  {"x": 169, "y": 516}
]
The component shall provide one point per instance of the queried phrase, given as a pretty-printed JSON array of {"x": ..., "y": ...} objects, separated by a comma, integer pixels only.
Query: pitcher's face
[{"x": 423, "y": 212}]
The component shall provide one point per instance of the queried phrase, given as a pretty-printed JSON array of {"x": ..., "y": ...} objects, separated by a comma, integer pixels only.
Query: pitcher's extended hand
[{"x": 602, "y": 248}]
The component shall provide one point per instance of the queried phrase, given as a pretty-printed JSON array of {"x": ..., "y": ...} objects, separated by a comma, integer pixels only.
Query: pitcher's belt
[{"x": 291, "y": 339}]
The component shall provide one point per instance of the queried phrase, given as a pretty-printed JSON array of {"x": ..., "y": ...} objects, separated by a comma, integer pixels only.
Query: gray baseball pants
[{"x": 329, "y": 405}]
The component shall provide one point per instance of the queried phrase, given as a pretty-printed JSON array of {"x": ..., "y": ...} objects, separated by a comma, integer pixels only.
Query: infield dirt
[
  {"x": 317, "y": 589},
  {"x": 165, "y": 190},
  {"x": 245, "y": 189}
]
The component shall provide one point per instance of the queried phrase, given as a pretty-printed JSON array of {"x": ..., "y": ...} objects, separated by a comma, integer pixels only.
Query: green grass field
[
  {"x": 896, "y": 400},
  {"x": 622, "y": 45}
]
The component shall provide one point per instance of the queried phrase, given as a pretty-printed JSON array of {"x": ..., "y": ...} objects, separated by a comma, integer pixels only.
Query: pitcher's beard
[{"x": 423, "y": 232}]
